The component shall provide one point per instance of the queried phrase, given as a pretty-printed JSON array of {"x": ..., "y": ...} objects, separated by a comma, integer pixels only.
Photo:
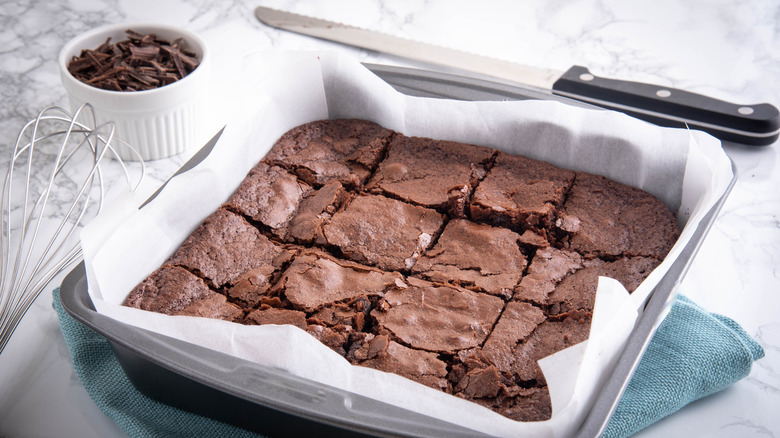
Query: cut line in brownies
[{"x": 453, "y": 265}]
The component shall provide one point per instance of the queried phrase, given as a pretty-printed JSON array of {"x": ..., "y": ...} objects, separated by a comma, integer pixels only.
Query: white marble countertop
[{"x": 726, "y": 49}]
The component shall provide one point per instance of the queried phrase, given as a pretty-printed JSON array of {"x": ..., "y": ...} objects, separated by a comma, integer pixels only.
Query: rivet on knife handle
[{"x": 757, "y": 124}]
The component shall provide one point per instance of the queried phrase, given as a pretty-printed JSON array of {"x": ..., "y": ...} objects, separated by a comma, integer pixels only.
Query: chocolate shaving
[
  {"x": 145, "y": 53},
  {"x": 141, "y": 62}
]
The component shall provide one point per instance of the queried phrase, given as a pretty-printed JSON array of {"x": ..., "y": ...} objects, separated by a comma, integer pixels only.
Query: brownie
[
  {"x": 578, "y": 290},
  {"x": 315, "y": 279},
  {"x": 609, "y": 219},
  {"x": 453, "y": 265},
  {"x": 521, "y": 403},
  {"x": 213, "y": 305},
  {"x": 224, "y": 247},
  {"x": 438, "y": 318},
  {"x": 520, "y": 193},
  {"x": 564, "y": 280},
  {"x": 548, "y": 267},
  {"x": 509, "y": 378},
  {"x": 508, "y": 360},
  {"x": 252, "y": 286},
  {"x": 518, "y": 321},
  {"x": 418, "y": 365},
  {"x": 475, "y": 256},
  {"x": 314, "y": 211},
  {"x": 175, "y": 291},
  {"x": 551, "y": 336},
  {"x": 326, "y": 150},
  {"x": 431, "y": 173},
  {"x": 270, "y": 196},
  {"x": 383, "y": 232}
]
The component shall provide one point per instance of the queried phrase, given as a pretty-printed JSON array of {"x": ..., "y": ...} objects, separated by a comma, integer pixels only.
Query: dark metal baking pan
[{"x": 277, "y": 403}]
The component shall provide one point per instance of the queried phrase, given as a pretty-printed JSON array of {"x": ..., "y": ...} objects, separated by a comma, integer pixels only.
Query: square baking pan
[{"x": 277, "y": 403}]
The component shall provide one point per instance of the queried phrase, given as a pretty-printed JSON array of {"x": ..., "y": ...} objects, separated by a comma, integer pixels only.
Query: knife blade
[{"x": 755, "y": 124}]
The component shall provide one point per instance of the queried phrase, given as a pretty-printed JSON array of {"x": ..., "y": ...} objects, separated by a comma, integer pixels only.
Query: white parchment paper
[{"x": 280, "y": 90}]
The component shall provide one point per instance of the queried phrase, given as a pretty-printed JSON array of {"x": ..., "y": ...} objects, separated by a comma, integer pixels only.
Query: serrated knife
[{"x": 757, "y": 124}]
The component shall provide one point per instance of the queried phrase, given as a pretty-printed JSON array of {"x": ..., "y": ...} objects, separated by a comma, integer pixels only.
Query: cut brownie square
[
  {"x": 475, "y": 256},
  {"x": 563, "y": 280},
  {"x": 520, "y": 403},
  {"x": 516, "y": 324},
  {"x": 253, "y": 286},
  {"x": 214, "y": 306},
  {"x": 438, "y": 318},
  {"x": 520, "y": 193},
  {"x": 548, "y": 267},
  {"x": 269, "y": 195},
  {"x": 315, "y": 279},
  {"x": 551, "y": 336},
  {"x": 431, "y": 173},
  {"x": 175, "y": 291},
  {"x": 314, "y": 211},
  {"x": 420, "y": 366},
  {"x": 346, "y": 150},
  {"x": 609, "y": 219},
  {"x": 224, "y": 247},
  {"x": 383, "y": 232},
  {"x": 578, "y": 290},
  {"x": 474, "y": 378}
]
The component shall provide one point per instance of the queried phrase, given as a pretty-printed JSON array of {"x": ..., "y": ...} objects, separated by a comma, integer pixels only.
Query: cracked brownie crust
[
  {"x": 454, "y": 265},
  {"x": 475, "y": 256},
  {"x": 434, "y": 174}
]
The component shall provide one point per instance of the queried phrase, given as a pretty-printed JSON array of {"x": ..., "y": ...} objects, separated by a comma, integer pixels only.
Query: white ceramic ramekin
[{"x": 160, "y": 122}]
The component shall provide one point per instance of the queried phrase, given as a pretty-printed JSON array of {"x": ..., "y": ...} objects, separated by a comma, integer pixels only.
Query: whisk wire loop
[{"x": 31, "y": 257}]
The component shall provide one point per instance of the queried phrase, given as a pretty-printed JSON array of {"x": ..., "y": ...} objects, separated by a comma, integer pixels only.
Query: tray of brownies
[{"x": 387, "y": 251}]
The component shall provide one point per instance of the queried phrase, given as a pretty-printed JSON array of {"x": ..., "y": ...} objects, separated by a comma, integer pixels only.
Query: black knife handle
[{"x": 757, "y": 125}]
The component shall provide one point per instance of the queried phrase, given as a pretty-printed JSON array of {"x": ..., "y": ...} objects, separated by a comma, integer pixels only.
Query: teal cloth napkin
[{"x": 693, "y": 354}]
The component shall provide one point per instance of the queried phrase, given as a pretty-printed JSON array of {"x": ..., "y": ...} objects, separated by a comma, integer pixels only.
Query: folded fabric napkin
[{"x": 693, "y": 354}]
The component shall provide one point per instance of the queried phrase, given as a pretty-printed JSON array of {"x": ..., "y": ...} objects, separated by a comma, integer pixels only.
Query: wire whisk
[{"x": 54, "y": 185}]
